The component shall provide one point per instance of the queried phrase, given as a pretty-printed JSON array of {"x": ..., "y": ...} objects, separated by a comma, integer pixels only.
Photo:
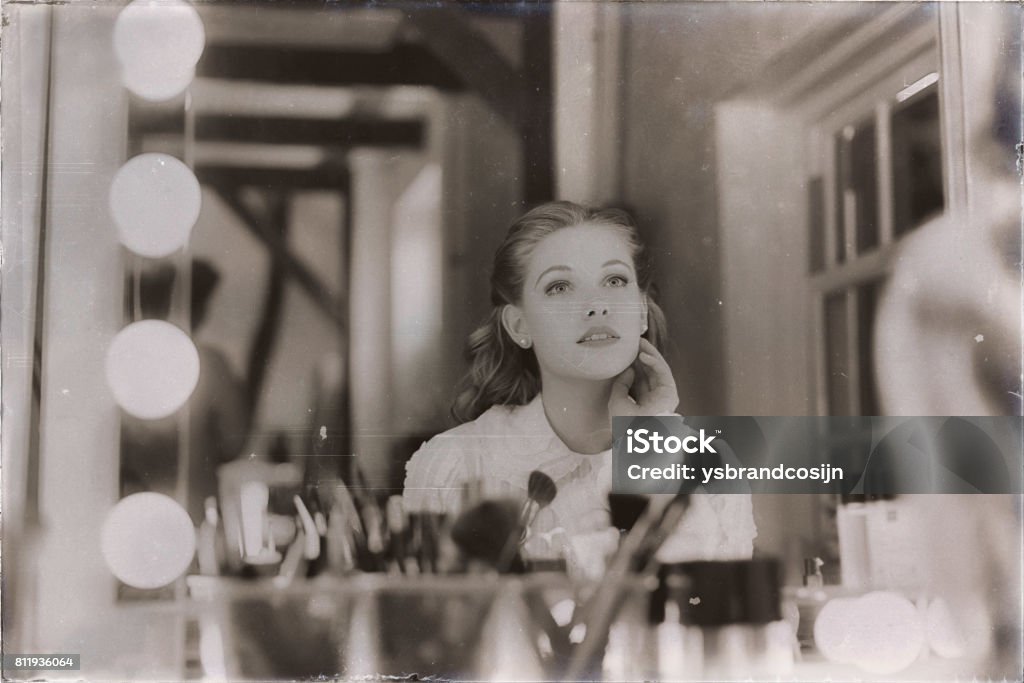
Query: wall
[
  {"x": 767, "y": 296},
  {"x": 24, "y": 64},
  {"x": 482, "y": 196},
  {"x": 588, "y": 101},
  {"x": 679, "y": 61},
  {"x": 79, "y": 445}
]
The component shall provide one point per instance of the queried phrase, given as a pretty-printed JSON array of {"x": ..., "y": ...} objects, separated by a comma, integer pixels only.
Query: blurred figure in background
[
  {"x": 949, "y": 325},
  {"x": 949, "y": 342}
]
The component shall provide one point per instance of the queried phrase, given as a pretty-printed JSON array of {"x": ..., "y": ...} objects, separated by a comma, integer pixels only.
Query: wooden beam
[
  {"x": 283, "y": 256},
  {"x": 404, "y": 64},
  {"x": 348, "y": 132},
  {"x": 524, "y": 97},
  {"x": 324, "y": 177},
  {"x": 323, "y": 23},
  {"x": 467, "y": 52}
]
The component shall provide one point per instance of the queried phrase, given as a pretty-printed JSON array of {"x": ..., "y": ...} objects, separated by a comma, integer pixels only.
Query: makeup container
[
  {"x": 852, "y": 524},
  {"x": 879, "y": 543},
  {"x": 257, "y": 506},
  {"x": 733, "y": 611}
]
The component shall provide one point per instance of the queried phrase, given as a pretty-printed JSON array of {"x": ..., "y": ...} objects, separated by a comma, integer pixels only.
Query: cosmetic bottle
[
  {"x": 809, "y": 599},
  {"x": 630, "y": 653},
  {"x": 852, "y": 523},
  {"x": 209, "y": 545},
  {"x": 678, "y": 645},
  {"x": 879, "y": 542}
]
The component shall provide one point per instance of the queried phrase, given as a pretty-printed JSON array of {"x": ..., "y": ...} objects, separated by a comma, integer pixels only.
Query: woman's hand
[{"x": 652, "y": 384}]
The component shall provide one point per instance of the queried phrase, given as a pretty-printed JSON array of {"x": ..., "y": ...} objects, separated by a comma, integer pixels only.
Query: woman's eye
[
  {"x": 559, "y": 287},
  {"x": 616, "y": 281}
]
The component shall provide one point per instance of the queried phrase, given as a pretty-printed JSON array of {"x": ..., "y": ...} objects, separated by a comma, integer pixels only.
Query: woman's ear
[
  {"x": 515, "y": 325},
  {"x": 643, "y": 315}
]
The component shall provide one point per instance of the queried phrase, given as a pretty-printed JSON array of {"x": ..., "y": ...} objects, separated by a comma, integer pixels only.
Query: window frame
[{"x": 853, "y": 95}]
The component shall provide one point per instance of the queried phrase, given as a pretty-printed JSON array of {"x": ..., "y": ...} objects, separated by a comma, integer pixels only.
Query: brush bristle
[
  {"x": 626, "y": 509},
  {"x": 482, "y": 531},
  {"x": 541, "y": 488}
]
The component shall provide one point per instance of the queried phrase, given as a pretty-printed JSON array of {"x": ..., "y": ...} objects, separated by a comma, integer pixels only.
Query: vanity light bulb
[
  {"x": 147, "y": 540},
  {"x": 158, "y": 43},
  {"x": 155, "y": 201},
  {"x": 152, "y": 368}
]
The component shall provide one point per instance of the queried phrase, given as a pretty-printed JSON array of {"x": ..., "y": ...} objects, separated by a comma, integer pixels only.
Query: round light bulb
[
  {"x": 148, "y": 540},
  {"x": 155, "y": 200},
  {"x": 152, "y": 369},
  {"x": 157, "y": 41}
]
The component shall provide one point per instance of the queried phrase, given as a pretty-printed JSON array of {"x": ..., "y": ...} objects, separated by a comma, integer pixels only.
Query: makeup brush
[
  {"x": 483, "y": 531},
  {"x": 540, "y": 492},
  {"x": 626, "y": 509}
]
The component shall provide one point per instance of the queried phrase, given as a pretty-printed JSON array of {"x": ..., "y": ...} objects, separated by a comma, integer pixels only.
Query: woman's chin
[
  {"x": 595, "y": 364},
  {"x": 604, "y": 371}
]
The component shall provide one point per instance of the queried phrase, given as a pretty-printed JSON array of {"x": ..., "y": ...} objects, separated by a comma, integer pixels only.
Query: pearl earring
[{"x": 525, "y": 343}]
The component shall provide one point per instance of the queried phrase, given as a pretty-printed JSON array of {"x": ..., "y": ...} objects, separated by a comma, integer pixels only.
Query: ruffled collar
[{"x": 549, "y": 453}]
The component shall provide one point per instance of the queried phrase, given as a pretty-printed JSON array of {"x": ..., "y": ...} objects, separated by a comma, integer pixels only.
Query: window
[{"x": 876, "y": 174}]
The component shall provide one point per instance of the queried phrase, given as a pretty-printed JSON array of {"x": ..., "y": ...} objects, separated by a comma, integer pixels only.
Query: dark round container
[{"x": 721, "y": 593}]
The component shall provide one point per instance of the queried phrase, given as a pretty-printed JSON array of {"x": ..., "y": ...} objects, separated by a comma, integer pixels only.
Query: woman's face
[{"x": 581, "y": 305}]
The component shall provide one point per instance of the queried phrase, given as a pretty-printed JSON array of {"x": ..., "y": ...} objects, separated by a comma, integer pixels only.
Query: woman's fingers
[
  {"x": 657, "y": 366},
  {"x": 619, "y": 402},
  {"x": 660, "y": 393},
  {"x": 651, "y": 383},
  {"x": 650, "y": 354}
]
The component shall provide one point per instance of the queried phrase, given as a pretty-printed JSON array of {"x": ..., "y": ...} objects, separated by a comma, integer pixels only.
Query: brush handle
[
  {"x": 312, "y": 549},
  {"x": 527, "y": 517},
  {"x": 635, "y": 553},
  {"x": 515, "y": 540}
]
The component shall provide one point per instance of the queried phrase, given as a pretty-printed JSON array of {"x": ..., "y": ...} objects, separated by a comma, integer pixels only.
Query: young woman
[{"x": 572, "y": 340}]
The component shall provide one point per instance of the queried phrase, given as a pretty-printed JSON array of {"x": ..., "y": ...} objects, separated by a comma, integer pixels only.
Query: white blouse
[{"x": 500, "y": 449}]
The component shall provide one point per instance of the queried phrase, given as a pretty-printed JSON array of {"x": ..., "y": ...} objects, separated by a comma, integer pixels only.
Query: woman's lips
[{"x": 599, "y": 335}]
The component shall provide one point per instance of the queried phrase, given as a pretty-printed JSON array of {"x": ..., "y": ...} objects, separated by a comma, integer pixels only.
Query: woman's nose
[{"x": 596, "y": 310}]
